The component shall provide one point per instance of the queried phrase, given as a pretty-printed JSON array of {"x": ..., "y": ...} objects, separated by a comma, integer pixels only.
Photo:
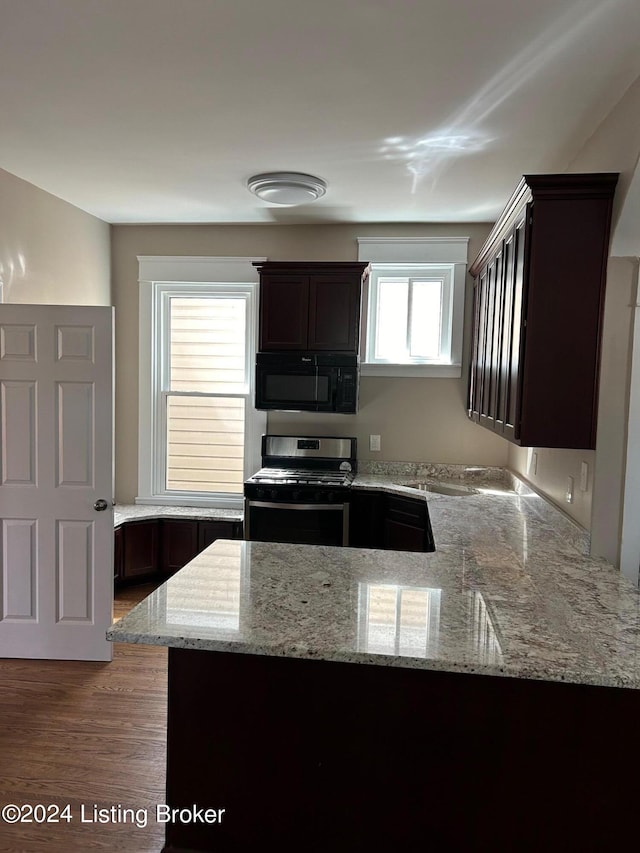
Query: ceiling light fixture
[{"x": 287, "y": 187}]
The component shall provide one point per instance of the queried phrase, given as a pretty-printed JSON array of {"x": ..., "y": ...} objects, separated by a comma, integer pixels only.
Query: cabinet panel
[
  {"x": 492, "y": 342},
  {"x": 284, "y": 312},
  {"x": 476, "y": 367},
  {"x": 402, "y": 537},
  {"x": 140, "y": 549},
  {"x": 514, "y": 322},
  {"x": 118, "y": 537},
  {"x": 365, "y": 519},
  {"x": 407, "y": 526},
  {"x": 334, "y": 315},
  {"x": 179, "y": 544},
  {"x": 209, "y": 531}
]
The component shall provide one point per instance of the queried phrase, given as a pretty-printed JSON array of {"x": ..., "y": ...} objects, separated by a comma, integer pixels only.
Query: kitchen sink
[{"x": 441, "y": 488}]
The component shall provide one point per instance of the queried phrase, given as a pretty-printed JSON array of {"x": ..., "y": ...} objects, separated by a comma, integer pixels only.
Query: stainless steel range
[{"x": 301, "y": 493}]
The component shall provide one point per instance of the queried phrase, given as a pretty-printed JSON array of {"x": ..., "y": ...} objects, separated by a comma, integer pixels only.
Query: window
[
  {"x": 409, "y": 315},
  {"x": 415, "y": 306},
  {"x": 198, "y": 428}
]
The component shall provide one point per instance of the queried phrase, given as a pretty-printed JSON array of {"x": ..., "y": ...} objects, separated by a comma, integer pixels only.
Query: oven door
[
  {"x": 304, "y": 524},
  {"x": 296, "y": 388}
]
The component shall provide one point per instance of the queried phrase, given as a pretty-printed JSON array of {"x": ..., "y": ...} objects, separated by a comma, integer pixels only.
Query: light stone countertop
[
  {"x": 139, "y": 512},
  {"x": 509, "y": 591}
]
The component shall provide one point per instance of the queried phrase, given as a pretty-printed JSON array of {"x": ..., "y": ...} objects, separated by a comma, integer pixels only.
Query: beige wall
[
  {"x": 553, "y": 469},
  {"x": 418, "y": 419},
  {"x": 611, "y": 448},
  {"x": 50, "y": 251}
]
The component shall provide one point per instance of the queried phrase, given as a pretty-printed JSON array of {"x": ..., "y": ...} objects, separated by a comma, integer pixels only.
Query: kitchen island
[{"x": 484, "y": 696}]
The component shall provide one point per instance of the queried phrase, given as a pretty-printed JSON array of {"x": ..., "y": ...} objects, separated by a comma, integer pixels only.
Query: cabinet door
[
  {"x": 407, "y": 526},
  {"x": 140, "y": 549},
  {"x": 402, "y": 537},
  {"x": 209, "y": 531},
  {"x": 492, "y": 343},
  {"x": 506, "y": 332},
  {"x": 366, "y": 513},
  {"x": 480, "y": 346},
  {"x": 179, "y": 544},
  {"x": 513, "y": 331},
  {"x": 488, "y": 302},
  {"x": 334, "y": 312},
  {"x": 284, "y": 312},
  {"x": 118, "y": 536},
  {"x": 473, "y": 402}
]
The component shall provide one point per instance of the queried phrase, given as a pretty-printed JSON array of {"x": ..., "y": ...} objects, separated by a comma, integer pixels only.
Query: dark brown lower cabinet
[
  {"x": 406, "y": 525},
  {"x": 179, "y": 544},
  {"x": 139, "y": 550},
  {"x": 155, "y": 549},
  {"x": 365, "y": 519},
  {"x": 390, "y": 522},
  {"x": 209, "y": 531},
  {"x": 118, "y": 537},
  {"x": 347, "y": 756}
]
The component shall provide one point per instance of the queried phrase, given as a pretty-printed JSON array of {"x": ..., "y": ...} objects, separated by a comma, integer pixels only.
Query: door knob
[{"x": 100, "y": 505}]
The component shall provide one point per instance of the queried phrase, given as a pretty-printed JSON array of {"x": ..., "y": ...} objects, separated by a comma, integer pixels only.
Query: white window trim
[
  {"x": 395, "y": 252},
  {"x": 157, "y": 275}
]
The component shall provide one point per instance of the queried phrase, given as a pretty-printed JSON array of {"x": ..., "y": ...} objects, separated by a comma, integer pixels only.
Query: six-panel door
[{"x": 56, "y": 481}]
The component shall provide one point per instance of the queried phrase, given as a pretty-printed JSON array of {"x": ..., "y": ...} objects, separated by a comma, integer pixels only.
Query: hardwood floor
[{"x": 91, "y": 734}]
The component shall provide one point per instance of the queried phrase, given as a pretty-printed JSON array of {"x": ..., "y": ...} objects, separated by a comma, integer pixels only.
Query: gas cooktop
[{"x": 310, "y": 477}]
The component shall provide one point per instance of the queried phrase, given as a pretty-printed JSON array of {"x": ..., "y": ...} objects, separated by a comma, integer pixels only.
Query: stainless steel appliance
[
  {"x": 307, "y": 382},
  {"x": 301, "y": 493}
]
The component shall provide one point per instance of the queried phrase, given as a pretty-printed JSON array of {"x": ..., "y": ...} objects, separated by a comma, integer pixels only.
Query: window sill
[
  {"x": 441, "y": 371},
  {"x": 191, "y": 501}
]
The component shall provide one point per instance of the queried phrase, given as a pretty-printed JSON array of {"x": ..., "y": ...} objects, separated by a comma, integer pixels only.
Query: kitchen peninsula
[{"x": 484, "y": 696}]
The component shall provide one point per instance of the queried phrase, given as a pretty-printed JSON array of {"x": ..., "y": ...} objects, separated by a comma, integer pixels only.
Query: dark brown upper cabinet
[
  {"x": 312, "y": 306},
  {"x": 538, "y": 306}
]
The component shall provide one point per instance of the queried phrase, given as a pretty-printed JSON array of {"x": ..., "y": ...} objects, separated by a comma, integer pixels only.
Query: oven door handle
[{"x": 268, "y": 505}]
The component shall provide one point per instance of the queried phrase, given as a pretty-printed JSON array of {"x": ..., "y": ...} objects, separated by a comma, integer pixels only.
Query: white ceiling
[{"x": 411, "y": 110}]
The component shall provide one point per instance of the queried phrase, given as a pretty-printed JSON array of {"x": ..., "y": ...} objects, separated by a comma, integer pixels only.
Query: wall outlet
[
  {"x": 569, "y": 495},
  {"x": 584, "y": 477},
  {"x": 534, "y": 463},
  {"x": 374, "y": 442}
]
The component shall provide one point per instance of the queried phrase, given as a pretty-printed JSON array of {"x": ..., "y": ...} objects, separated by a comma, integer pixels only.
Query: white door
[{"x": 56, "y": 462}]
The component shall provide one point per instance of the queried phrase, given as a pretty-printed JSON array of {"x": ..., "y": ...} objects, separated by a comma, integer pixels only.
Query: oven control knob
[
  {"x": 330, "y": 498},
  {"x": 273, "y": 494},
  {"x": 318, "y": 497},
  {"x": 296, "y": 494},
  {"x": 260, "y": 493}
]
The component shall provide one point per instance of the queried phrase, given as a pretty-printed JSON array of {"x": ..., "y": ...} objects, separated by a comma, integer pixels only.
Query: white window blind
[{"x": 207, "y": 356}]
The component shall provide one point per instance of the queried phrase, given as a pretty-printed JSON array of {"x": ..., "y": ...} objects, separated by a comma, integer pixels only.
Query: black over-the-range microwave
[{"x": 307, "y": 382}]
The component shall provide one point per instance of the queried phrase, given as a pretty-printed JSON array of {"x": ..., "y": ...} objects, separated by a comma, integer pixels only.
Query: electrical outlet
[
  {"x": 569, "y": 495},
  {"x": 534, "y": 463},
  {"x": 584, "y": 477},
  {"x": 374, "y": 442}
]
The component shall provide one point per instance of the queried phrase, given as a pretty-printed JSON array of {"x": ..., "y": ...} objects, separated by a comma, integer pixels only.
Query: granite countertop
[
  {"x": 508, "y": 592},
  {"x": 138, "y": 512}
]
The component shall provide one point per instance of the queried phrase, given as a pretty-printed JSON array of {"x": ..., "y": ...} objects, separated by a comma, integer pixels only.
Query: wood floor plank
[{"x": 87, "y": 734}]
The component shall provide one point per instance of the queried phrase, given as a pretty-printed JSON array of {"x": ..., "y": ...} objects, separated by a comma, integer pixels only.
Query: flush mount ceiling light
[{"x": 287, "y": 187}]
